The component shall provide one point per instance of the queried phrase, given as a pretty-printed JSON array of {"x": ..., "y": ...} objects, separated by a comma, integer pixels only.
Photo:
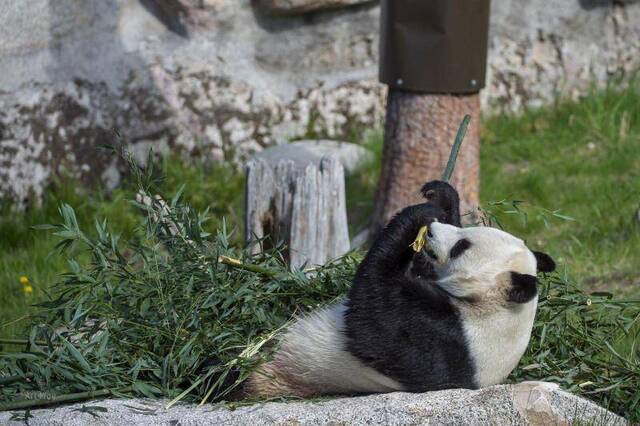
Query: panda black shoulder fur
[{"x": 457, "y": 315}]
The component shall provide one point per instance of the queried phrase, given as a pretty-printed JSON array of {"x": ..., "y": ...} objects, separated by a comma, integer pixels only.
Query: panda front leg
[{"x": 391, "y": 250}]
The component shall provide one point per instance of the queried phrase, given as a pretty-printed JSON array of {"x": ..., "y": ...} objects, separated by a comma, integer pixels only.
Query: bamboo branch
[
  {"x": 72, "y": 397},
  {"x": 451, "y": 164},
  {"x": 246, "y": 266}
]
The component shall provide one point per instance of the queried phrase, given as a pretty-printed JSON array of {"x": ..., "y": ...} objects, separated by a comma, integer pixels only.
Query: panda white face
[{"x": 476, "y": 262}]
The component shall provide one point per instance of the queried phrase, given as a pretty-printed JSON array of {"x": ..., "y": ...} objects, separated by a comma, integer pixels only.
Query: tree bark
[
  {"x": 298, "y": 199},
  {"x": 419, "y": 132}
]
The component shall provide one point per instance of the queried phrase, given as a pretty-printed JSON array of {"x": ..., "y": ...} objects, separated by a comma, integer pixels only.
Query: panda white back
[{"x": 313, "y": 360}]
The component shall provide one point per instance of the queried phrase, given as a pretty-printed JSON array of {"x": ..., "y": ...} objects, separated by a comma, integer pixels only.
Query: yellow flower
[
  {"x": 24, "y": 280},
  {"x": 27, "y": 289}
]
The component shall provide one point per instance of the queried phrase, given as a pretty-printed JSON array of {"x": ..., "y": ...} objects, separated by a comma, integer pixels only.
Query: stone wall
[
  {"x": 539, "y": 50},
  {"x": 224, "y": 78}
]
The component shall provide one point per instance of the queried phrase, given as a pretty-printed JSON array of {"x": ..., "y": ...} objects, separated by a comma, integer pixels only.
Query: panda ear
[{"x": 544, "y": 261}]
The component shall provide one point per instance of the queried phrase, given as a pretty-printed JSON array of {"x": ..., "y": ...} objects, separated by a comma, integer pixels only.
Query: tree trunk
[
  {"x": 298, "y": 198},
  {"x": 419, "y": 132}
]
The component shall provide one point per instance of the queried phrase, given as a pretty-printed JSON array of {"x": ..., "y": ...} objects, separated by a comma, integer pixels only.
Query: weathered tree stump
[{"x": 295, "y": 196}]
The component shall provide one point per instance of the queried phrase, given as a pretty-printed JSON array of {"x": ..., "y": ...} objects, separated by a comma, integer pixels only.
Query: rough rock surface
[
  {"x": 302, "y": 6},
  {"x": 532, "y": 403},
  {"x": 219, "y": 80},
  {"x": 540, "y": 50},
  {"x": 223, "y": 78}
]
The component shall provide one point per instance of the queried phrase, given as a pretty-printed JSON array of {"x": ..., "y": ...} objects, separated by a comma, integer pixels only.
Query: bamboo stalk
[
  {"x": 451, "y": 164},
  {"x": 72, "y": 397},
  {"x": 246, "y": 266}
]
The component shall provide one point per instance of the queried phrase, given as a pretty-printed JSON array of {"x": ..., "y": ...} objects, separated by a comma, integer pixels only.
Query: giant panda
[{"x": 456, "y": 315}]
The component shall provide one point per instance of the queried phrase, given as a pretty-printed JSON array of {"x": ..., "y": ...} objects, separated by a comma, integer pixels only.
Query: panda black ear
[{"x": 544, "y": 261}]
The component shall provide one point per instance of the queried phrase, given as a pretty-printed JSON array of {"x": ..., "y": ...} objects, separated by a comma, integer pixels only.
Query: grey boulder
[{"x": 528, "y": 403}]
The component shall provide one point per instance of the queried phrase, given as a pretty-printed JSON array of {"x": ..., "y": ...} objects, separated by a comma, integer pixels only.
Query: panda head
[{"x": 481, "y": 263}]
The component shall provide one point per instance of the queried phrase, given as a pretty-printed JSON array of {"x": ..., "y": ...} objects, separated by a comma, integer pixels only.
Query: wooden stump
[
  {"x": 419, "y": 132},
  {"x": 298, "y": 197}
]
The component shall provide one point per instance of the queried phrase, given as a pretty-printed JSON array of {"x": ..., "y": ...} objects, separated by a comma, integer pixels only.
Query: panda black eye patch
[{"x": 458, "y": 248}]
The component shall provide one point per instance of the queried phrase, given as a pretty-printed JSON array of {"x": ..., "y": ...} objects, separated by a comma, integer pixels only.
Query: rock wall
[
  {"x": 540, "y": 50},
  {"x": 224, "y": 78}
]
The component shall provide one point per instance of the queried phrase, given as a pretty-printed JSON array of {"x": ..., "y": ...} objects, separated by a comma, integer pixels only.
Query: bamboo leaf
[{"x": 75, "y": 353}]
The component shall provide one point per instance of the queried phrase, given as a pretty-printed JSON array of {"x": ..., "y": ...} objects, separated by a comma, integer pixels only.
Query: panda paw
[{"x": 445, "y": 197}]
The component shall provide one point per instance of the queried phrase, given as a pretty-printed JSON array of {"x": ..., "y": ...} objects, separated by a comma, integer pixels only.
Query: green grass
[
  {"x": 582, "y": 159},
  {"x": 360, "y": 186},
  {"x": 25, "y": 252}
]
